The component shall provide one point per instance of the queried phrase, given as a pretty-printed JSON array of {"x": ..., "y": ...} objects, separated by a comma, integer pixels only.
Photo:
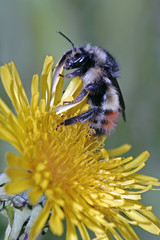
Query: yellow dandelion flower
[{"x": 64, "y": 171}]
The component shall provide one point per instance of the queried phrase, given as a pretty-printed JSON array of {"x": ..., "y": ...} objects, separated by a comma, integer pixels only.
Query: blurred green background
[{"x": 130, "y": 30}]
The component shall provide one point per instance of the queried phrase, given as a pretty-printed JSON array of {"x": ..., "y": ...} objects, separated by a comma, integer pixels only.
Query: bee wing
[{"x": 122, "y": 104}]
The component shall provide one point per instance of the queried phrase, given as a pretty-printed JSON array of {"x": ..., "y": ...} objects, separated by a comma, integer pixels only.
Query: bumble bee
[{"x": 99, "y": 71}]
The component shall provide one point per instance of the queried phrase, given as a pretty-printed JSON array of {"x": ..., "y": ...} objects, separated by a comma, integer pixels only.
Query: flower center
[{"x": 55, "y": 151}]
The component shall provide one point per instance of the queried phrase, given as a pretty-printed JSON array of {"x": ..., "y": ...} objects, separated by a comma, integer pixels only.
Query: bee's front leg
[
  {"x": 79, "y": 97},
  {"x": 73, "y": 74}
]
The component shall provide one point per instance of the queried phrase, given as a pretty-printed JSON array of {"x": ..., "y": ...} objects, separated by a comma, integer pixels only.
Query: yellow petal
[
  {"x": 143, "y": 179},
  {"x": 151, "y": 217},
  {"x": 45, "y": 83},
  {"x": 16, "y": 174},
  {"x": 11, "y": 123},
  {"x": 59, "y": 210},
  {"x": 48, "y": 62},
  {"x": 42, "y": 105},
  {"x": 34, "y": 102},
  {"x": 35, "y": 84},
  {"x": 57, "y": 86},
  {"x": 34, "y": 195},
  {"x": 6, "y": 110},
  {"x": 56, "y": 224},
  {"x": 126, "y": 230},
  {"x": 71, "y": 232},
  {"x": 40, "y": 222},
  {"x": 83, "y": 231},
  {"x": 137, "y": 161},
  {"x": 48, "y": 91},
  {"x": 6, "y": 79},
  {"x": 21, "y": 91},
  {"x": 10, "y": 137},
  {"x": 119, "y": 151},
  {"x": 13, "y": 86},
  {"x": 16, "y": 187},
  {"x": 71, "y": 108},
  {"x": 143, "y": 222},
  {"x": 73, "y": 89},
  {"x": 16, "y": 161}
]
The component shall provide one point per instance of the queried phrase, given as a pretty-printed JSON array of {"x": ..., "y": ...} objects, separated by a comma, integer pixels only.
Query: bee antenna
[{"x": 66, "y": 38}]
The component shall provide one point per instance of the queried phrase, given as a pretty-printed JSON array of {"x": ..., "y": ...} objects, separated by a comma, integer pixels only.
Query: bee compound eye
[{"x": 77, "y": 55}]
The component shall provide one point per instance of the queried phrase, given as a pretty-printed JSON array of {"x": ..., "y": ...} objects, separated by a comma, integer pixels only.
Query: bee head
[{"x": 75, "y": 57}]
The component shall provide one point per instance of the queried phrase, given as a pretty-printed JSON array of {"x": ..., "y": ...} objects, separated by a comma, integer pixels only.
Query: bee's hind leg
[{"x": 82, "y": 117}]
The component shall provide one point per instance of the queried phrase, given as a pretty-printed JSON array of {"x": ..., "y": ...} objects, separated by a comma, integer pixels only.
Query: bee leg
[
  {"x": 82, "y": 117},
  {"x": 79, "y": 97},
  {"x": 91, "y": 88},
  {"x": 96, "y": 87},
  {"x": 74, "y": 74}
]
